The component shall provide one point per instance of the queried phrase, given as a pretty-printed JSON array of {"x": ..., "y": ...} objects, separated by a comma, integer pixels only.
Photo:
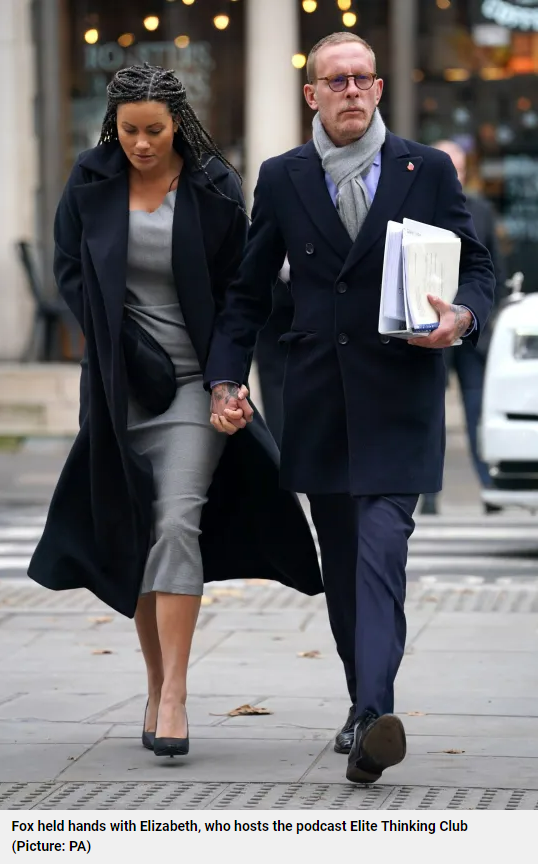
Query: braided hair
[{"x": 153, "y": 83}]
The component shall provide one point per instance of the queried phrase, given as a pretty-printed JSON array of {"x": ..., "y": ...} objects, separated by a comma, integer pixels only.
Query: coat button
[
  {"x": 343, "y": 338},
  {"x": 341, "y": 288},
  {"x": 309, "y": 249},
  {"x": 384, "y": 338}
]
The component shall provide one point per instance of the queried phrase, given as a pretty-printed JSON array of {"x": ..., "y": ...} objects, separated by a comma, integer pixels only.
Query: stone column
[
  {"x": 403, "y": 24},
  {"x": 18, "y": 159},
  {"x": 273, "y": 86}
]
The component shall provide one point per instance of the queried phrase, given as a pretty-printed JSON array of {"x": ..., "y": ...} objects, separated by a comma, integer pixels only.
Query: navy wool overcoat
[
  {"x": 99, "y": 525},
  {"x": 363, "y": 413}
]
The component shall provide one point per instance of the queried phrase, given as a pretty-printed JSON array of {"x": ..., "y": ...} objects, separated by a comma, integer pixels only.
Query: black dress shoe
[
  {"x": 171, "y": 747},
  {"x": 147, "y": 737},
  {"x": 379, "y": 742},
  {"x": 345, "y": 738}
]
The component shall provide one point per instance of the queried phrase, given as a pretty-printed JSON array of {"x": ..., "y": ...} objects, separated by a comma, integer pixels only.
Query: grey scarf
[{"x": 347, "y": 166}]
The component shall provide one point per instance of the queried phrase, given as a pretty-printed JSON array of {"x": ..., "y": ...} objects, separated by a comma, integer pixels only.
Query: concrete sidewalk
[{"x": 72, "y": 697}]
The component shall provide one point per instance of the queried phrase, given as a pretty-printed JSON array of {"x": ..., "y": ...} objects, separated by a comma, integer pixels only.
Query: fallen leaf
[
  {"x": 101, "y": 652},
  {"x": 416, "y": 713},
  {"x": 246, "y": 710},
  {"x": 104, "y": 619},
  {"x": 310, "y": 654}
]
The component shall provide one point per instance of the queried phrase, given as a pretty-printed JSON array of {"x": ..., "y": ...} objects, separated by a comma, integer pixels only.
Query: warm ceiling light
[
  {"x": 349, "y": 19},
  {"x": 456, "y": 74},
  {"x": 91, "y": 36},
  {"x": 188, "y": 2},
  {"x": 126, "y": 39},
  {"x": 151, "y": 22},
  {"x": 443, "y": 4},
  {"x": 221, "y": 22},
  {"x": 299, "y": 61},
  {"x": 309, "y": 5},
  {"x": 182, "y": 41},
  {"x": 344, "y": 5}
]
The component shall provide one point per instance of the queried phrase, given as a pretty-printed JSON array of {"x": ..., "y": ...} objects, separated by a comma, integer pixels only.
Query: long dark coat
[
  {"x": 98, "y": 530},
  {"x": 363, "y": 413}
]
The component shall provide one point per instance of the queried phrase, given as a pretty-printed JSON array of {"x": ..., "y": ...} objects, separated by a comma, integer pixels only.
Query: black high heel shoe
[
  {"x": 171, "y": 747},
  {"x": 148, "y": 738}
]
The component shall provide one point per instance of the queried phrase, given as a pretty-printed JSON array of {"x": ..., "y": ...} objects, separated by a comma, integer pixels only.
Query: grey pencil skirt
[{"x": 184, "y": 451}]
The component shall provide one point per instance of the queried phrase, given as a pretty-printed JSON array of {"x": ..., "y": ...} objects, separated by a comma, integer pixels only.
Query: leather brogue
[
  {"x": 345, "y": 738},
  {"x": 379, "y": 743}
]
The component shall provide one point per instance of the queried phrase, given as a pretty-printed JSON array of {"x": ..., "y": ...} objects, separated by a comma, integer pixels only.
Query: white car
[{"x": 508, "y": 429}]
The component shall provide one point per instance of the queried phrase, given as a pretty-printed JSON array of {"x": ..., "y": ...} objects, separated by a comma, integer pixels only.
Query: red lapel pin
[{"x": 410, "y": 167}]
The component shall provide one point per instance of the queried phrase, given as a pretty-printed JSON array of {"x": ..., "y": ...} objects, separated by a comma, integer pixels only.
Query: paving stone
[
  {"x": 215, "y": 760},
  {"x": 37, "y": 762},
  {"x": 440, "y": 770},
  {"x": 457, "y": 725},
  {"x": 476, "y": 632},
  {"x": 40, "y": 732}
]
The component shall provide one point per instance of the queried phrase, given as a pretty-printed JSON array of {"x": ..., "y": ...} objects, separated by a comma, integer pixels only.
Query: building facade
[{"x": 462, "y": 69}]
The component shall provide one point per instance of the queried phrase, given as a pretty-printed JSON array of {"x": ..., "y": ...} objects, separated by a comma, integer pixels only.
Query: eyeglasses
[{"x": 338, "y": 83}]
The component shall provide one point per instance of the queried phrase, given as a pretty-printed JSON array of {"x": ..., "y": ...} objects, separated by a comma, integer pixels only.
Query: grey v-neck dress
[{"x": 182, "y": 446}]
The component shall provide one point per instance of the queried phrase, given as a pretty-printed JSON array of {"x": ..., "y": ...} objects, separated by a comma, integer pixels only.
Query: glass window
[
  {"x": 194, "y": 39},
  {"x": 477, "y": 74}
]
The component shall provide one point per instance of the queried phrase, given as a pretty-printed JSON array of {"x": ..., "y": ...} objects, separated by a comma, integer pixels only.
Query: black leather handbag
[{"x": 150, "y": 370}]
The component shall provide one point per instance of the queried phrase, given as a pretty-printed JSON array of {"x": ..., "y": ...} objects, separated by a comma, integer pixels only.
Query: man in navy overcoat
[{"x": 363, "y": 413}]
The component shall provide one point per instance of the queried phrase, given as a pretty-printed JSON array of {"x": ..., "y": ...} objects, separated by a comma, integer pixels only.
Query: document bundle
[{"x": 419, "y": 260}]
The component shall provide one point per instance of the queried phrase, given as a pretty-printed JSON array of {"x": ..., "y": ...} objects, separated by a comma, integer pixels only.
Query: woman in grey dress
[
  {"x": 152, "y": 501},
  {"x": 182, "y": 447}
]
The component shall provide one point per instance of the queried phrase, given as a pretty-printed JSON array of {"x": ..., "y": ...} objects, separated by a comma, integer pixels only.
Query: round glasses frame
[{"x": 339, "y": 83}]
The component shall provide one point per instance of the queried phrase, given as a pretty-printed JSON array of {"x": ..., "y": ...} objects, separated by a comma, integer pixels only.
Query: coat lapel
[
  {"x": 104, "y": 210},
  {"x": 307, "y": 175},
  {"x": 395, "y": 182},
  {"x": 190, "y": 269}
]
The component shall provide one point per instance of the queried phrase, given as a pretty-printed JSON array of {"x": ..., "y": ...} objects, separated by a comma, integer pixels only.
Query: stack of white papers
[{"x": 419, "y": 260}]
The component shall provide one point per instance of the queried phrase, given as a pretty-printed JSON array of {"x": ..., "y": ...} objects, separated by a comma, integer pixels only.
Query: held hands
[
  {"x": 230, "y": 409},
  {"x": 454, "y": 322}
]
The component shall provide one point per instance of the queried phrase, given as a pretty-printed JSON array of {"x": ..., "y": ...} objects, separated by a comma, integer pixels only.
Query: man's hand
[
  {"x": 454, "y": 322},
  {"x": 230, "y": 409}
]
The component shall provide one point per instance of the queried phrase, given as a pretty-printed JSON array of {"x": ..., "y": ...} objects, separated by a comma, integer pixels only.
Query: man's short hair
[{"x": 334, "y": 39}]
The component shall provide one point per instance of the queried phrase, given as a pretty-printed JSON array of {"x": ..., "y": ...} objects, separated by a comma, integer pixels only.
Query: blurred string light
[
  {"x": 456, "y": 74},
  {"x": 523, "y": 103},
  {"x": 182, "y": 41},
  {"x": 221, "y": 22},
  {"x": 418, "y": 75},
  {"x": 151, "y": 22},
  {"x": 91, "y": 36},
  {"x": 349, "y": 19},
  {"x": 309, "y": 5},
  {"x": 443, "y": 4},
  {"x": 126, "y": 39},
  {"x": 188, "y": 2},
  {"x": 299, "y": 61},
  {"x": 344, "y": 5}
]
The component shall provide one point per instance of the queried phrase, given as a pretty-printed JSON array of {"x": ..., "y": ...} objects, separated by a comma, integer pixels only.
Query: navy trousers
[{"x": 364, "y": 548}]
